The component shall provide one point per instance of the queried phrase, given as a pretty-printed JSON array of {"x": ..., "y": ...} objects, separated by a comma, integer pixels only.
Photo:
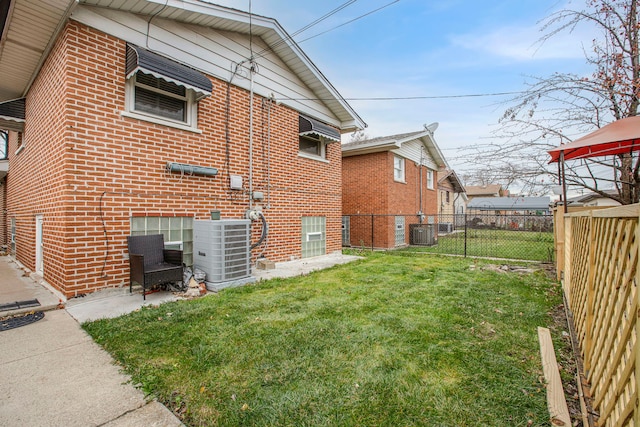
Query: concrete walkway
[{"x": 53, "y": 374}]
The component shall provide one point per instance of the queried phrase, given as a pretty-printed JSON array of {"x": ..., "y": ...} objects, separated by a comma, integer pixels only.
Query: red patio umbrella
[{"x": 621, "y": 136}]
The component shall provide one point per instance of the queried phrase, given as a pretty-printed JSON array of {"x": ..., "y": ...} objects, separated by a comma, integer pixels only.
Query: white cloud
[{"x": 522, "y": 43}]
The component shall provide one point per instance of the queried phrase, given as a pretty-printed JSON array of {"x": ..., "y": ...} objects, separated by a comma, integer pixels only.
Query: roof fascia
[
  {"x": 432, "y": 148},
  {"x": 370, "y": 148}
]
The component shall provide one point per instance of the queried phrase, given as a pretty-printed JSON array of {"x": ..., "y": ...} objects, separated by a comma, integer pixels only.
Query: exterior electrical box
[{"x": 221, "y": 248}]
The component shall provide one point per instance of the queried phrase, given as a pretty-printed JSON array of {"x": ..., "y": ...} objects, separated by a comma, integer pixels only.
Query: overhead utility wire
[
  {"x": 349, "y": 22},
  {"x": 323, "y": 17},
  {"x": 405, "y": 98},
  {"x": 306, "y": 27}
]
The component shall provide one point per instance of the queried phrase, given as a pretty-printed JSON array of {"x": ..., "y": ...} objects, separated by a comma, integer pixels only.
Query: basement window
[
  {"x": 314, "y": 236},
  {"x": 177, "y": 232}
]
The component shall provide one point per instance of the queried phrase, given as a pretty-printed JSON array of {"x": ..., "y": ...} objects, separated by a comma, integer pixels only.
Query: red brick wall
[
  {"x": 369, "y": 188},
  {"x": 89, "y": 169},
  {"x": 4, "y": 231},
  {"x": 37, "y": 182}
]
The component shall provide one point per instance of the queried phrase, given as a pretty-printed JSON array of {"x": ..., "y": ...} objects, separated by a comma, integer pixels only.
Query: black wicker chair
[{"x": 151, "y": 264}]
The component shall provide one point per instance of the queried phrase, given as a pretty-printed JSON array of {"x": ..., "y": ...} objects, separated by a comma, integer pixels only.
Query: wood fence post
[
  {"x": 588, "y": 345},
  {"x": 567, "y": 266},
  {"x": 636, "y": 408},
  {"x": 559, "y": 236}
]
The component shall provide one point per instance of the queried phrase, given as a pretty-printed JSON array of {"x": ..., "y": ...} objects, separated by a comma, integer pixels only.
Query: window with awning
[
  {"x": 162, "y": 90},
  {"x": 12, "y": 115},
  {"x": 150, "y": 63},
  {"x": 314, "y": 128}
]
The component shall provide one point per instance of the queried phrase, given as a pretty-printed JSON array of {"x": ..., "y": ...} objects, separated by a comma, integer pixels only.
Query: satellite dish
[{"x": 432, "y": 127}]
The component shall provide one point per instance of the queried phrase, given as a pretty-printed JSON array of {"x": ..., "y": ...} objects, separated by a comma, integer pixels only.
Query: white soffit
[{"x": 29, "y": 30}]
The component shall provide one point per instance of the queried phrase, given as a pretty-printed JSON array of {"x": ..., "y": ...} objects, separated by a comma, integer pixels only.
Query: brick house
[
  {"x": 389, "y": 183},
  {"x": 141, "y": 117}
]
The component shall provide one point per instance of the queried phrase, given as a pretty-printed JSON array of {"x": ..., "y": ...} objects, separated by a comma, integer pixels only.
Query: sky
[{"x": 439, "y": 49}]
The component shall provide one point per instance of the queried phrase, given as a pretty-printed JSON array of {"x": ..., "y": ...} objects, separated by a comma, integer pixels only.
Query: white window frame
[
  {"x": 191, "y": 114},
  {"x": 430, "y": 179},
  {"x": 398, "y": 169},
  {"x": 322, "y": 148},
  {"x": 314, "y": 236}
]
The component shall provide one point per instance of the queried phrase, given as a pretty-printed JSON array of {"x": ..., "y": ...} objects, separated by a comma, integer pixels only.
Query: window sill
[
  {"x": 399, "y": 181},
  {"x": 312, "y": 157},
  {"x": 159, "y": 121}
]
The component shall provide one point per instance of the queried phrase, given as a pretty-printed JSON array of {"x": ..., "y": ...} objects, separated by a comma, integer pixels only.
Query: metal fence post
[
  {"x": 465, "y": 234},
  {"x": 372, "y": 232}
]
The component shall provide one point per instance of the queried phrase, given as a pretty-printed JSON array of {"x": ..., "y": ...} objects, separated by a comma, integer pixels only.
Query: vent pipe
[{"x": 191, "y": 169}]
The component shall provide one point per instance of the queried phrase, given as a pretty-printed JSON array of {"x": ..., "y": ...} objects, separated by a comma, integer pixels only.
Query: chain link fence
[{"x": 512, "y": 236}]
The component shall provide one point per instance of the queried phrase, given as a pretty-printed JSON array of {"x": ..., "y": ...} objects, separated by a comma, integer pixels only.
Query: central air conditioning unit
[
  {"x": 221, "y": 248},
  {"x": 445, "y": 227},
  {"x": 422, "y": 234}
]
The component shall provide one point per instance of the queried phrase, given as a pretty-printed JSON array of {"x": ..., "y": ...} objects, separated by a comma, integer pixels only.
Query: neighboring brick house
[
  {"x": 139, "y": 117},
  {"x": 389, "y": 183}
]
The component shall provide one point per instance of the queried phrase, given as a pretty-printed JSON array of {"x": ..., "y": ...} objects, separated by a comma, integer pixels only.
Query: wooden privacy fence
[{"x": 598, "y": 262}]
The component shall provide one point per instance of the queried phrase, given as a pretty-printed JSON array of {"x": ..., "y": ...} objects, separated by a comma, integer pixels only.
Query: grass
[
  {"x": 390, "y": 340},
  {"x": 525, "y": 245}
]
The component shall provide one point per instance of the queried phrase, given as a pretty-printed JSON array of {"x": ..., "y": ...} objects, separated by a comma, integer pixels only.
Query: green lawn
[
  {"x": 392, "y": 340},
  {"x": 525, "y": 245}
]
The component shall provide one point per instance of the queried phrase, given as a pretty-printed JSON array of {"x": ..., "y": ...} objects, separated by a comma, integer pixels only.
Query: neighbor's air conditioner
[
  {"x": 422, "y": 234},
  {"x": 445, "y": 227},
  {"x": 221, "y": 248}
]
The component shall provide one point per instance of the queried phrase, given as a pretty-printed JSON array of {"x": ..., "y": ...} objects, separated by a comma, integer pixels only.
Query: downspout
[
  {"x": 251, "y": 71},
  {"x": 420, "y": 213}
]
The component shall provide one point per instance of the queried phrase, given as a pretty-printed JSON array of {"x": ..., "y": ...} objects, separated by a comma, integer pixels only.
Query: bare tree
[
  {"x": 561, "y": 107},
  {"x": 358, "y": 136}
]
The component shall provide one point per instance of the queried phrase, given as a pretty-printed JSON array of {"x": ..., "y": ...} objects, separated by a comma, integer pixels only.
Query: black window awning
[
  {"x": 140, "y": 59},
  {"x": 309, "y": 126},
  {"x": 12, "y": 115}
]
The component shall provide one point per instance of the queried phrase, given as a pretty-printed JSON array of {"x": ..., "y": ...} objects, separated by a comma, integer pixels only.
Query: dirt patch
[
  {"x": 504, "y": 268},
  {"x": 569, "y": 362}
]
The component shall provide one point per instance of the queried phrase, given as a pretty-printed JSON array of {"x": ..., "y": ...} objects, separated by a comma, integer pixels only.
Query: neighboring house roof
[
  {"x": 26, "y": 43},
  {"x": 483, "y": 190},
  {"x": 395, "y": 142},
  {"x": 510, "y": 203},
  {"x": 452, "y": 177},
  {"x": 589, "y": 197}
]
